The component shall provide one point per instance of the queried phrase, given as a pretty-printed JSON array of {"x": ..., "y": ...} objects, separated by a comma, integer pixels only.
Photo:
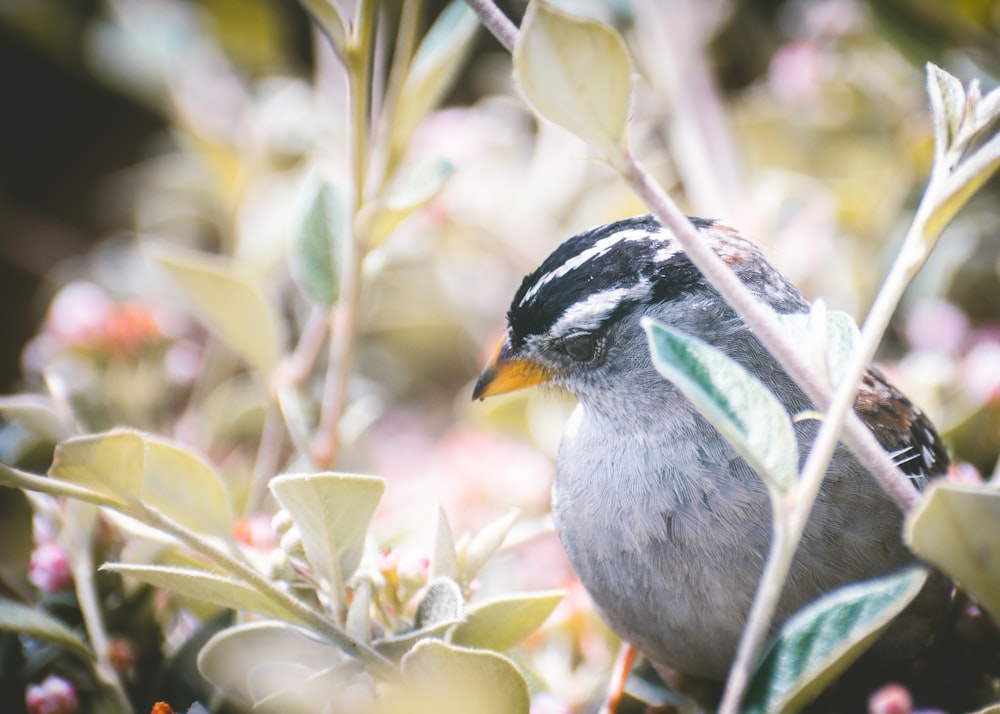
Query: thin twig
[{"x": 495, "y": 21}]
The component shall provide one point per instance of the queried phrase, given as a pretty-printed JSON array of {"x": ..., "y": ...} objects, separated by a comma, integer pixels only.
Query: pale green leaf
[
  {"x": 441, "y": 602},
  {"x": 317, "y": 254},
  {"x": 24, "y": 620},
  {"x": 16, "y": 542},
  {"x": 396, "y": 646},
  {"x": 204, "y": 585},
  {"x": 503, "y": 622},
  {"x": 185, "y": 488},
  {"x": 484, "y": 545},
  {"x": 733, "y": 400},
  {"x": 38, "y": 415},
  {"x": 956, "y": 527},
  {"x": 444, "y": 561},
  {"x": 110, "y": 463},
  {"x": 947, "y": 97},
  {"x": 231, "y": 659},
  {"x": 416, "y": 185},
  {"x": 444, "y": 679},
  {"x": 431, "y": 74},
  {"x": 819, "y": 642},
  {"x": 575, "y": 72},
  {"x": 359, "y": 616},
  {"x": 16, "y": 478},
  {"x": 825, "y": 338},
  {"x": 968, "y": 177},
  {"x": 332, "y": 512},
  {"x": 328, "y": 20},
  {"x": 229, "y": 302}
]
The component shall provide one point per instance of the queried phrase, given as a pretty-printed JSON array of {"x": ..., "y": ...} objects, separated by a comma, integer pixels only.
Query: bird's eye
[{"x": 579, "y": 347}]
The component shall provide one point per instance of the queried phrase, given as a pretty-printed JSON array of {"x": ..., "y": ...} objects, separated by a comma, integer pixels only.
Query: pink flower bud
[
  {"x": 49, "y": 568},
  {"x": 55, "y": 695}
]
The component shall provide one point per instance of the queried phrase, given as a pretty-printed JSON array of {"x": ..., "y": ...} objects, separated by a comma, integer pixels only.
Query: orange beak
[{"x": 506, "y": 372}]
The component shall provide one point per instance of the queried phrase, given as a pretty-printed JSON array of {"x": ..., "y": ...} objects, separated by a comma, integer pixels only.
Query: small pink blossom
[
  {"x": 49, "y": 568},
  {"x": 937, "y": 326},
  {"x": 796, "y": 71},
  {"x": 891, "y": 699},
  {"x": 54, "y": 695}
]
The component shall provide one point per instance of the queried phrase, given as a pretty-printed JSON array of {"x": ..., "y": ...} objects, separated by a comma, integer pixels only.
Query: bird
[{"x": 666, "y": 526}]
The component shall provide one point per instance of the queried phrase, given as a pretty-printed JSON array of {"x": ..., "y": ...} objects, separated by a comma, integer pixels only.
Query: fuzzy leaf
[
  {"x": 484, "y": 545},
  {"x": 444, "y": 561},
  {"x": 228, "y": 302},
  {"x": 820, "y": 641},
  {"x": 967, "y": 178},
  {"x": 185, "y": 488},
  {"x": 501, "y": 623},
  {"x": 332, "y": 512},
  {"x": 956, "y": 527},
  {"x": 38, "y": 415},
  {"x": 318, "y": 251},
  {"x": 413, "y": 189},
  {"x": 203, "y": 585},
  {"x": 396, "y": 647},
  {"x": 110, "y": 464},
  {"x": 947, "y": 96},
  {"x": 441, "y": 602},
  {"x": 732, "y": 399},
  {"x": 24, "y": 620},
  {"x": 443, "y": 679},
  {"x": 575, "y": 72},
  {"x": 359, "y": 617},
  {"x": 823, "y": 334},
  {"x": 432, "y": 72}
]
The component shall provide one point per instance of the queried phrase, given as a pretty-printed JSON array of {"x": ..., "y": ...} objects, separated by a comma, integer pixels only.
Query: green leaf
[
  {"x": 444, "y": 679},
  {"x": 185, "y": 488},
  {"x": 503, "y": 622},
  {"x": 956, "y": 527},
  {"x": 16, "y": 478},
  {"x": 734, "y": 401},
  {"x": 203, "y": 585},
  {"x": 24, "y": 620},
  {"x": 575, "y": 72},
  {"x": 442, "y": 602},
  {"x": 968, "y": 177},
  {"x": 110, "y": 463},
  {"x": 820, "y": 641},
  {"x": 317, "y": 253},
  {"x": 359, "y": 615},
  {"x": 415, "y": 186},
  {"x": 394, "y": 648},
  {"x": 16, "y": 541},
  {"x": 431, "y": 74},
  {"x": 328, "y": 20},
  {"x": 444, "y": 561},
  {"x": 947, "y": 97},
  {"x": 233, "y": 659},
  {"x": 825, "y": 338},
  {"x": 332, "y": 512},
  {"x": 229, "y": 303},
  {"x": 38, "y": 415},
  {"x": 485, "y": 544}
]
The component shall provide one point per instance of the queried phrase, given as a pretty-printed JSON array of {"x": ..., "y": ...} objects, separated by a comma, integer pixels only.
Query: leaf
[
  {"x": 734, "y": 401},
  {"x": 947, "y": 98},
  {"x": 444, "y": 561},
  {"x": 203, "y": 585},
  {"x": 956, "y": 527},
  {"x": 328, "y": 20},
  {"x": 443, "y": 679},
  {"x": 317, "y": 253},
  {"x": 442, "y": 602},
  {"x": 332, "y": 512},
  {"x": 16, "y": 478},
  {"x": 435, "y": 67},
  {"x": 359, "y": 617},
  {"x": 485, "y": 544},
  {"x": 24, "y": 620},
  {"x": 232, "y": 658},
  {"x": 394, "y": 648},
  {"x": 820, "y": 641},
  {"x": 185, "y": 488},
  {"x": 38, "y": 415},
  {"x": 501, "y": 623},
  {"x": 826, "y": 338},
  {"x": 575, "y": 72},
  {"x": 229, "y": 303},
  {"x": 110, "y": 463},
  {"x": 16, "y": 541},
  {"x": 967, "y": 178},
  {"x": 413, "y": 189}
]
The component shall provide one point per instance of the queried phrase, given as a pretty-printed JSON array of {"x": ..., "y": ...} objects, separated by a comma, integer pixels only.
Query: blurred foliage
[{"x": 803, "y": 122}]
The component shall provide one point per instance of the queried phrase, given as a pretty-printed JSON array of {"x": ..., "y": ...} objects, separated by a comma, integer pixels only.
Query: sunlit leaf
[
  {"x": 503, "y": 622},
  {"x": 359, "y": 618},
  {"x": 441, "y": 602},
  {"x": 185, "y": 488},
  {"x": 398, "y": 645},
  {"x": 444, "y": 561},
  {"x": 25, "y": 620},
  {"x": 484, "y": 545},
  {"x": 956, "y": 527},
  {"x": 414, "y": 188},
  {"x": 576, "y": 72},
  {"x": 110, "y": 463},
  {"x": 444, "y": 679},
  {"x": 203, "y": 585},
  {"x": 317, "y": 253},
  {"x": 968, "y": 177},
  {"x": 332, "y": 512},
  {"x": 230, "y": 303},
  {"x": 826, "y": 338},
  {"x": 38, "y": 415},
  {"x": 820, "y": 641},
  {"x": 733, "y": 400},
  {"x": 947, "y": 97},
  {"x": 434, "y": 68},
  {"x": 326, "y": 17}
]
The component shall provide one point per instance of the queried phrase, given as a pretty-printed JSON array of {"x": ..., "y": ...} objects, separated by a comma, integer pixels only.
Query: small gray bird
[{"x": 665, "y": 524}]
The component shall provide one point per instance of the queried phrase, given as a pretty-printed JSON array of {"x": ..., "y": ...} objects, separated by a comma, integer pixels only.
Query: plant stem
[
  {"x": 495, "y": 21},
  {"x": 251, "y": 576},
  {"x": 344, "y": 313}
]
